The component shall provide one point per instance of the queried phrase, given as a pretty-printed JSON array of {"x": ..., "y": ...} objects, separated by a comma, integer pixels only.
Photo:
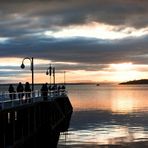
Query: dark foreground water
[{"x": 107, "y": 115}]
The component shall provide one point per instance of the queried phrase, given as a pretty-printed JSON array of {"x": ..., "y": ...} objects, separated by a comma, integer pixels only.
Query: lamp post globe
[{"x": 22, "y": 66}]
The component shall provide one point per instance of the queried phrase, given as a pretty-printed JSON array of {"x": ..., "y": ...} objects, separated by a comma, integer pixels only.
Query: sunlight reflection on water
[{"x": 107, "y": 115}]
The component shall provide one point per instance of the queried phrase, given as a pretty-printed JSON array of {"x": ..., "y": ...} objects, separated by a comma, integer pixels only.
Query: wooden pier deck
[{"x": 34, "y": 122}]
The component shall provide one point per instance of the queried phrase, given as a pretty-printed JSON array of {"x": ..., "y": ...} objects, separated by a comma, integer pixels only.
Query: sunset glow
[
  {"x": 122, "y": 66},
  {"x": 103, "y": 46},
  {"x": 95, "y": 30},
  {"x": 119, "y": 72}
]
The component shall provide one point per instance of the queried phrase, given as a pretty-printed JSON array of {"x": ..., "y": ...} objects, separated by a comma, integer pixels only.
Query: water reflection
[
  {"x": 103, "y": 127},
  {"x": 123, "y": 105},
  {"x": 119, "y": 99},
  {"x": 108, "y": 115}
]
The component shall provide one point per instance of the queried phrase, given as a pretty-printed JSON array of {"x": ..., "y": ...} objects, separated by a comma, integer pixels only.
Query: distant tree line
[{"x": 141, "y": 81}]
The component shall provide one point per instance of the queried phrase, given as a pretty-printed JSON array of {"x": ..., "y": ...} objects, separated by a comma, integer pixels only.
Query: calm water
[{"x": 107, "y": 115}]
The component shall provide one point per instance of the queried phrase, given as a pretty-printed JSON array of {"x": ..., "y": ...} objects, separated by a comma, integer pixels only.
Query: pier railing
[{"x": 9, "y": 100}]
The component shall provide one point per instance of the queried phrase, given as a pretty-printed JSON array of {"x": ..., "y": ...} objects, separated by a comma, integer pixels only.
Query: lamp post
[
  {"x": 31, "y": 68},
  {"x": 49, "y": 72},
  {"x": 53, "y": 75}
]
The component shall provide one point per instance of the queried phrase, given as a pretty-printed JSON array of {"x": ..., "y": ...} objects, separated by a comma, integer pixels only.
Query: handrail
[{"x": 9, "y": 100}]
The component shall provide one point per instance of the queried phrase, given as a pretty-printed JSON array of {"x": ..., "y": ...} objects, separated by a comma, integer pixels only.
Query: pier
[{"x": 33, "y": 122}]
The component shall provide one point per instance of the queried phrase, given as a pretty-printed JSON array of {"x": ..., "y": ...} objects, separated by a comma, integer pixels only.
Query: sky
[{"x": 91, "y": 40}]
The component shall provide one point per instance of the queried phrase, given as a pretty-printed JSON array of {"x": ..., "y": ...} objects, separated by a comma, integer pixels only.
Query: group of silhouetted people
[
  {"x": 21, "y": 91},
  {"x": 24, "y": 92},
  {"x": 55, "y": 89}
]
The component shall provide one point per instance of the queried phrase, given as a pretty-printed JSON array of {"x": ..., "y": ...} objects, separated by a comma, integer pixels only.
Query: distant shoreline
[
  {"x": 135, "y": 82},
  {"x": 52, "y": 83}
]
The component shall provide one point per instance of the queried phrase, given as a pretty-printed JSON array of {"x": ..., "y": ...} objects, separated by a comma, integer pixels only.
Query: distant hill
[{"x": 142, "y": 81}]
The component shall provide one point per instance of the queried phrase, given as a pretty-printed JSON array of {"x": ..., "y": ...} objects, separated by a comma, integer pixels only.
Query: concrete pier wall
[{"x": 35, "y": 125}]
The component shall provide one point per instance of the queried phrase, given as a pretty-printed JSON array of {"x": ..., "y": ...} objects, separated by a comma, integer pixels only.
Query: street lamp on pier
[
  {"x": 31, "y": 68},
  {"x": 51, "y": 71},
  {"x": 53, "y": 75}
]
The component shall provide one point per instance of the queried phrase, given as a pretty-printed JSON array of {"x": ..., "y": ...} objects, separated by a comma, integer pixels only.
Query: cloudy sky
[{"x": 91, "y": 40}]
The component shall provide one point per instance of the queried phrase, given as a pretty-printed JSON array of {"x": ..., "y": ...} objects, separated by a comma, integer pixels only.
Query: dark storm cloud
[
  {"x": 50, "y": 14},
  {"x": 23, "y": 22},
  {"x": 26, "y": 17},
  {"x": 114, "y": 12},
  {"x": 80, "y": 50}
]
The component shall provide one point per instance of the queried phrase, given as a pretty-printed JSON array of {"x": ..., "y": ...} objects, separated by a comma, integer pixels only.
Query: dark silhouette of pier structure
[{"x": 36, "y": 123}]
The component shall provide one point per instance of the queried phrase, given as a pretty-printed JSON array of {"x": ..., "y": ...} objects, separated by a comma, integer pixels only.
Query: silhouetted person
[
  {"x": 59, "y": 89},
  {"x": 11, "y": 92},
  {"x": 20, "y": 90},
  {"x": 44, "y": 91},
  {"x": 27, "y": 90},
  {"x": 63, "y": 88},
  {"x": 49, "y": 87},
  {"x": 54, "y": 89}
]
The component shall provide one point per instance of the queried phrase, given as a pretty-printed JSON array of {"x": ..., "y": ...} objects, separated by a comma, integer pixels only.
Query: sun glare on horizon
[
  {"x": 124, "y": 72},
  {"x": 110, "y": 73},
  {"x": 122, "y": 66}
]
